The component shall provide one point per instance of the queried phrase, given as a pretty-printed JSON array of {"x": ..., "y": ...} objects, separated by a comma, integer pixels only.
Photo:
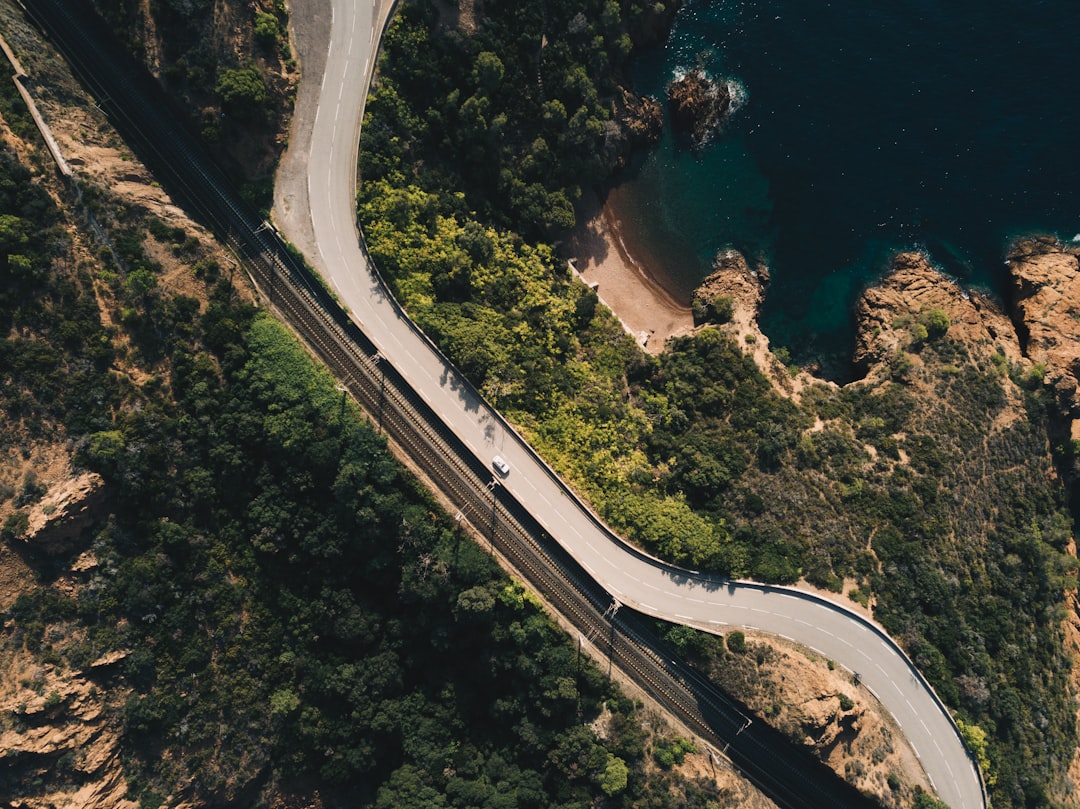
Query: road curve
[{"x": 315, "y": 208}]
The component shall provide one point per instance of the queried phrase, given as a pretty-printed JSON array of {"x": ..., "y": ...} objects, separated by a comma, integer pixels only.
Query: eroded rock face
[
  {"x": 698, "y": 104},
  {"x": 59, "y": 745},
  {"x": 821, "y": 707},
  {"x": 1041, "y": 331},
  {"x": 1045, "y": 303}
]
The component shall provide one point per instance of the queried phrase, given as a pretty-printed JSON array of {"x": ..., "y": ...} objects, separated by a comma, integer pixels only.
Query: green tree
[
  {"x": 242, "y": 91},
  {"x": 614, "y": 778},
  {"x": 736, "y": 642},
  {"x": 488, "y": 72},
  {"x": 267, "y": 29}
]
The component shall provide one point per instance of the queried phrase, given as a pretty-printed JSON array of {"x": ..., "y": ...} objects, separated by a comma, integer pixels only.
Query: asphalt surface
[{"x": 316, "y": 209}]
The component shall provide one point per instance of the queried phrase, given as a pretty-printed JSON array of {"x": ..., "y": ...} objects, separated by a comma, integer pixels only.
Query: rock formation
[
  {"x": 56, "y": 523},
  {"x": 818, "y": 706},
  {"x": 638, "y": 121},
  {"x": 698, "y": 104},
  {"x": 1040, "y": 333},
  {"x": 1045, "y": 305},
  {"x": 887, "y": 314},
  {"x": 732, "y": 285},
  {"x": 60, "y": 735}
]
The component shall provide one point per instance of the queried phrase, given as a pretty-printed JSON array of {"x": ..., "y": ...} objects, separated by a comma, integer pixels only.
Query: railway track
[
  {"x": 628, "y": 640},
  {"x": 787, "y": 775}
]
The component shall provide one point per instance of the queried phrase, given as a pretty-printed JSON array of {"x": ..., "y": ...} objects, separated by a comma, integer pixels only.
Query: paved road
[{"x": 316, "y": 202}]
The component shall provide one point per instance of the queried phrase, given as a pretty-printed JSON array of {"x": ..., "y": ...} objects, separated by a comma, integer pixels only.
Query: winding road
[{"x": 315, "y": 209}]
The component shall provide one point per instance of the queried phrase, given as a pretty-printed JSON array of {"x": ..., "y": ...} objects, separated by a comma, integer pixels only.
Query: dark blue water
[{"x": 867, "y": 127}]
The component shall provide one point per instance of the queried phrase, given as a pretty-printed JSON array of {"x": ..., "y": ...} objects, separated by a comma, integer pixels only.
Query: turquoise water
[{"x": 948, "y": 127}]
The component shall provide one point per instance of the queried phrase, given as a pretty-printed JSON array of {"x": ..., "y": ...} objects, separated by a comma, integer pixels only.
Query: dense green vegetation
[
  {"x": 521, "y": 108},
  {"x": 950, "y": 521},
  {"x": 295, "y": 613},
  {"x": 276, "y": 574}
]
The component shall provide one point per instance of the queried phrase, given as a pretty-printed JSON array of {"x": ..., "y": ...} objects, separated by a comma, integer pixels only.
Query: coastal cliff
[
  {"x": 1045, "y": 306},
  {"x": 893, "y": 316},
  {"x": 1037, "y": 333}
]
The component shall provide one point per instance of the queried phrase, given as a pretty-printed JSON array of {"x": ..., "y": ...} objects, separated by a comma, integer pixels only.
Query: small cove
[{"x": 864, "y": 130}]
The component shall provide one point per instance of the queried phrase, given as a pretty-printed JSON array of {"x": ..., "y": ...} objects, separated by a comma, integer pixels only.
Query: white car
[{"x": 501, "y": 466}]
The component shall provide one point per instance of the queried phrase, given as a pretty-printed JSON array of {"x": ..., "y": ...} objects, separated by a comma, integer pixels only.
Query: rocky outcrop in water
[
  {"x": 698, "y": 105},
  {"x": 732, "y": 285}
]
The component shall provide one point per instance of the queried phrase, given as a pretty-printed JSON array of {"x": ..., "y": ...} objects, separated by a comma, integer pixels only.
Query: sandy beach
[{"x": 602, "y": 255}]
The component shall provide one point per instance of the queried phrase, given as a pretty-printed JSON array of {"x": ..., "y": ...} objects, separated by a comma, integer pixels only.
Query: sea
[{"x": 860, "y": 128}]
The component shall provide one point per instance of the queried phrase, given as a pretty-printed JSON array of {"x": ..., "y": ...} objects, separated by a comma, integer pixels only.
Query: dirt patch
[{"x": 459, "y": 15}]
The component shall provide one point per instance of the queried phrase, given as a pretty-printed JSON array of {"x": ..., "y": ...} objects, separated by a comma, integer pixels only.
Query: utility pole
[
  {"x": 577, "y": 675},
  {"x": 378, "y": 359},
  {"x": 494, "y": 504},
  {"x": 610, "y": 613}
]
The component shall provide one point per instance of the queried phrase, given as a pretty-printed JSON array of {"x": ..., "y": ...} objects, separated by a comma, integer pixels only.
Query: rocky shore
[
  {"x": 638, "y": 123},
  {"x": 921, "y": 331},
  {"x": 1038, "y": 330}
]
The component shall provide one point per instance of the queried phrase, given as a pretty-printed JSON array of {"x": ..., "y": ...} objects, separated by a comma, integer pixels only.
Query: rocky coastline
[
  {"x": 638, "y": 123},
  {"x": 1036, "y": 332}
]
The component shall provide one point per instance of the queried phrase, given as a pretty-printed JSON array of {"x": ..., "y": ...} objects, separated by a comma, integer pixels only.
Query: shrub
[
  {"x": 935, "y": 321},
  {"x": 736, "y": 642}
]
